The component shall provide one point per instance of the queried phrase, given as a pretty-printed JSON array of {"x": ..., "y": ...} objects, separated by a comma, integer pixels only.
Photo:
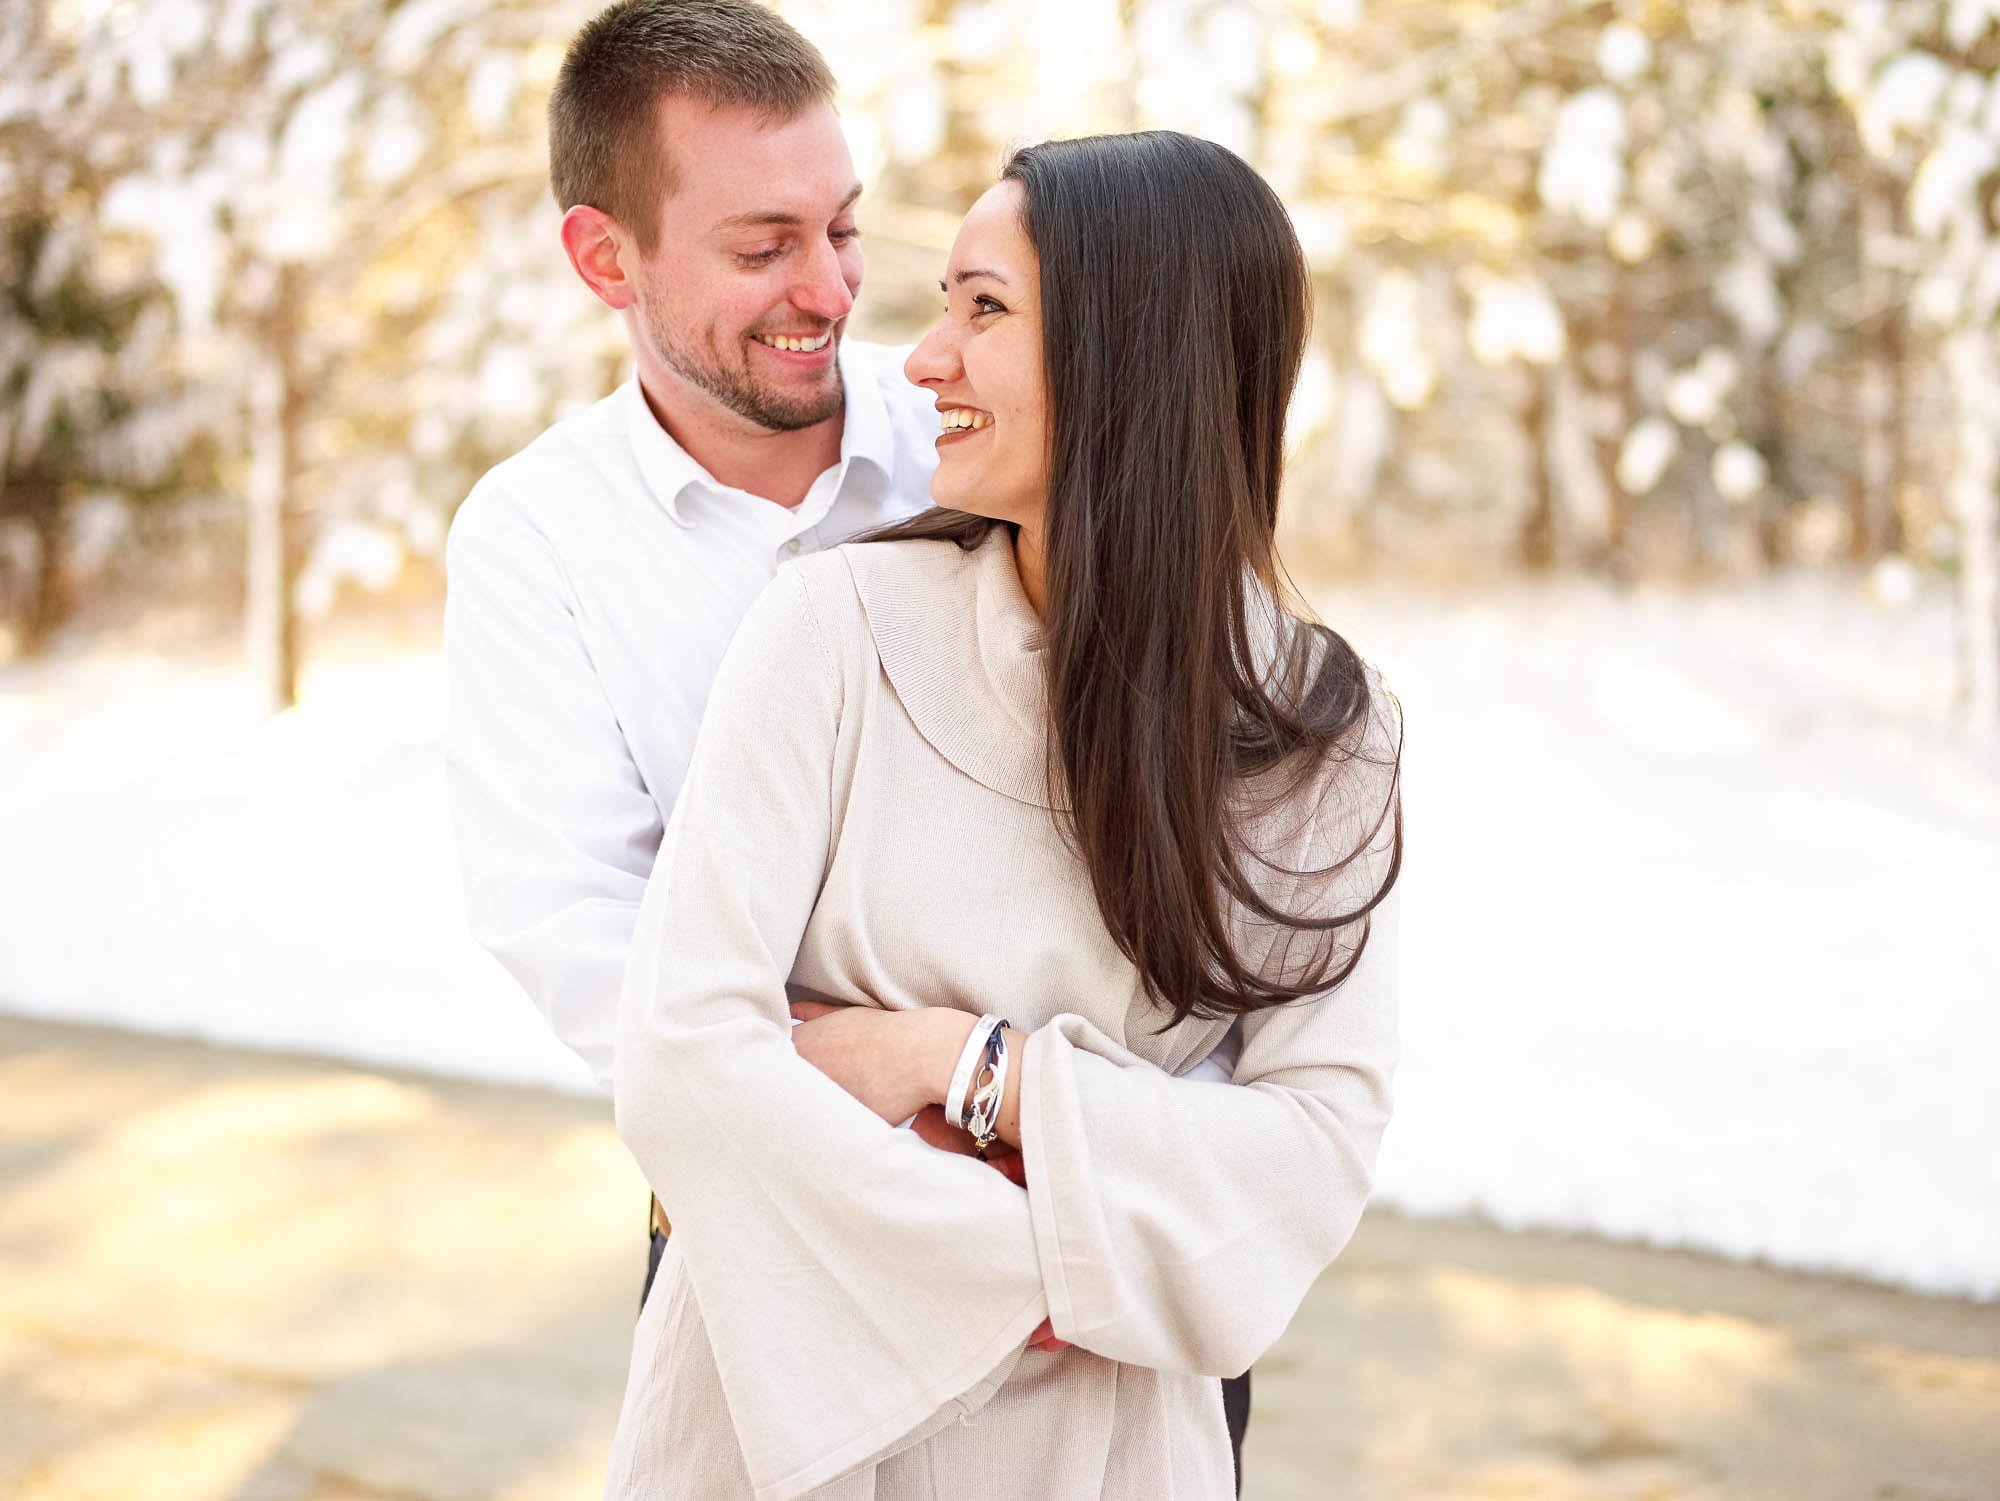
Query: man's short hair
[{"x": 604, "y": 140}]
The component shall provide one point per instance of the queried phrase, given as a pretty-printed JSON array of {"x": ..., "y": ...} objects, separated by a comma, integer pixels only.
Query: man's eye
[
  {"x": 842, "y": 236},
  {"x": 760, "y": 257}
]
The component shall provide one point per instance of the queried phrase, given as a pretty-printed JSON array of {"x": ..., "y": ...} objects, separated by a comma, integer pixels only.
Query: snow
[
  {"x": 1423, "y": 139},
  {"x": 180, "y": 216},
  {"x": 1696, "y": 395},
  {"x": 1623, "y": 52},
  {"x": 1392, "y": 343},
  {"x": 1949, "y": 178},
  {"x": 1514, "y": 316},
  {"x": 1746, "y": 290},
  {"x": 396, "y": 141},
  {"x": 1739, "y": 472},
  {"x": 1905, "y": 96},
  {"x": 415, "y": 29},
  {"x": 1649, "y": 447},
  {"x": 1967, "y": 20},
  {"x": 175, "y": 861},
  {"x": 1631, "y": 236},
  {"x": 490, "y": 91},
  {"x": 1583, "y": 169},
  {"x": 1698, "y": 945},
  {"x": 1697, "y": 942},
  {"x": 1295, "y": 53}
]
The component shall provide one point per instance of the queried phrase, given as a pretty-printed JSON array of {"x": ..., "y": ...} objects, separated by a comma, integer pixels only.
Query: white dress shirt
[{"x": 595, "y": 579}]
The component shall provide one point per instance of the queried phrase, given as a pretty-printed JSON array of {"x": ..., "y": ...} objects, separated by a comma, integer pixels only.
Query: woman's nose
[{"x": 934, "y": 360}]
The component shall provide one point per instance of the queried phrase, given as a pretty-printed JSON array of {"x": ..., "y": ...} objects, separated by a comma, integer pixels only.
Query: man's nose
[{"x": 823, "y": 291}]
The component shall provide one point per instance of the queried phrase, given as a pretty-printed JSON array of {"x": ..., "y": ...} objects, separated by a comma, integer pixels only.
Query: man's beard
[{"x": 738, "y": 390}]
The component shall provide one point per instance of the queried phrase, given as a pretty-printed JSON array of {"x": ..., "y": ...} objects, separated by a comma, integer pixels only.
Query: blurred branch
[{"x": 1412, "y": 80}]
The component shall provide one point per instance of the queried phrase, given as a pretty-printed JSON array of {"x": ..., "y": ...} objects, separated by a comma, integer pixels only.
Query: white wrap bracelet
[
  {"x": 965, "y": 1078},
  {"x": 989, "y": 1092}
]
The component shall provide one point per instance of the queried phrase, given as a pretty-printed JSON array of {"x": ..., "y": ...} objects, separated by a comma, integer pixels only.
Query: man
[{"x": 597, "y": 576}]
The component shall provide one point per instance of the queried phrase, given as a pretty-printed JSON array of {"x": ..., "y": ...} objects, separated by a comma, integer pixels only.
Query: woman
[{"x": 1051, "y": 753}]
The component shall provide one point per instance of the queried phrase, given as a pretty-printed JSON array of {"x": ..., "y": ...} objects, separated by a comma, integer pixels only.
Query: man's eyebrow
[{"x": 775, "y": 220}]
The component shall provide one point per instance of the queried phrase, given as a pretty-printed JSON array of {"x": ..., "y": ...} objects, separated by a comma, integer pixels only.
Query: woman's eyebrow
[{"x": 962, "y": 277}]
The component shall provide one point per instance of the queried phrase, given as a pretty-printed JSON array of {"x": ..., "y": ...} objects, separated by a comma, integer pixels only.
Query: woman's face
[{"x": 983, "y": 364}]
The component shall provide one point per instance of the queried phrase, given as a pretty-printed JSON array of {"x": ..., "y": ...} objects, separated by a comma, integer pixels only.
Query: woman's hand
[{"x": 932, "y": 1127}]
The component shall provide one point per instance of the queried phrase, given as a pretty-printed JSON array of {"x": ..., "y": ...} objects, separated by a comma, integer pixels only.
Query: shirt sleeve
[
  {"x": 1179, "y": 1223},
  {"x": 556, "y": 829},
  {"x": 857, "y": 1287}
]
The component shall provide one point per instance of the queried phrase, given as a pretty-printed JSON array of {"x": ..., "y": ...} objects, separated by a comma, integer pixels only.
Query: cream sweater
[{"x": 842, "y": 1310}]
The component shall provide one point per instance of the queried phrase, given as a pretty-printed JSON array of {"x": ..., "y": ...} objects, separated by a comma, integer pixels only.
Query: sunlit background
[{"x": 1649, "y": 439}]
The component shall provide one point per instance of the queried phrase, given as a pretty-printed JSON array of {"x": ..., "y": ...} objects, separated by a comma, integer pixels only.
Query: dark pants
[{"x": 1235, "y": 1389}]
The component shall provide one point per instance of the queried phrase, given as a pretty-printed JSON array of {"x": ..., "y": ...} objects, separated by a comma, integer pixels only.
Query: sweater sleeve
[
  {"x": 1179, "y": 1223},
  {"x": 857, "y": 1287}
]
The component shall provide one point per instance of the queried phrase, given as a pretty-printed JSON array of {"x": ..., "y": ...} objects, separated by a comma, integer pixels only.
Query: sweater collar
[{"x": 962, "y": 647}]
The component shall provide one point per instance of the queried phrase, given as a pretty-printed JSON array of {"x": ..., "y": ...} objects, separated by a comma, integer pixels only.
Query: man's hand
[
  {"x": 854, "y": 1051},
  {"x": 867, "y": 1052}
]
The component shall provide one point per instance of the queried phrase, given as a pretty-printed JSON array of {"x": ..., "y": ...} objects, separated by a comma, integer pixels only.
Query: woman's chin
[
  {"x": 954, "y": 498},
  {"x": 952, "y": 492}
]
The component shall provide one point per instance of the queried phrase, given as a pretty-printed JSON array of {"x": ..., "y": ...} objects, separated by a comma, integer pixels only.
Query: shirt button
[{"x": 792, "y": 548}]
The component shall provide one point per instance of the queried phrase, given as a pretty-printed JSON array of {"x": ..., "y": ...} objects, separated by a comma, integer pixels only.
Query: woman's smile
[{"x": 958, "y": 423}]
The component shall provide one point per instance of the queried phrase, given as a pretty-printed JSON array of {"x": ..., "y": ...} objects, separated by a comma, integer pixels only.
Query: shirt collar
[
  {"x": 669, "y": 469},
  {"x": 865, "y": 434}
]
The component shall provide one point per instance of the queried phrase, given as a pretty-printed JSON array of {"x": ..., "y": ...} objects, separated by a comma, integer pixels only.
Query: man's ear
[{"x": 603, "y": 255}]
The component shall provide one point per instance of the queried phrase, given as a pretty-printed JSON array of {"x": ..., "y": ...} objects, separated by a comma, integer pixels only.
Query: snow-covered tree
[
  {"x": 90, "y": 398},
  {"x": 1624, "y": 284},
  {"x": 1923, "y": 79},
  {"x": 348, "y": 204}
]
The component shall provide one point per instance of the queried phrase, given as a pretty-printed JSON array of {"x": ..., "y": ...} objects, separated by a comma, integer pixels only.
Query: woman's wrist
[
  {"x": 936, "y": 1057},
  {"x": 948, "y": 1030}
]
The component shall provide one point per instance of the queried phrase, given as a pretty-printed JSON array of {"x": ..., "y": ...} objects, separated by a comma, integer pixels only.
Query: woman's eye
[{"x": 983, "y": 304}]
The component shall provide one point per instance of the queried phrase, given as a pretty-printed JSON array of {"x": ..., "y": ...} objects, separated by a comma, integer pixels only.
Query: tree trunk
[
  {"x": 1875, "y": 521},
  {"x": 273, "y": 562},
  {"x": 1537, "y": 544},
  {"x": 39, "y": 499},
  {"x": 1769, "y": 435},
  {"x": 1975, "y": 493},
  {"x": 1615, "y": 333}
]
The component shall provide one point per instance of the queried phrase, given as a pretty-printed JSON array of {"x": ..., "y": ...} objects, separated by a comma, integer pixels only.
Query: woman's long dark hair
[{"x": 1175, "y": 308}]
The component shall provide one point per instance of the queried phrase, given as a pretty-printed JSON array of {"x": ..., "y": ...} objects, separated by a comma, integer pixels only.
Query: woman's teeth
[
  {"x": 963, "y": 417},
  {"x": 795, "y": 346}
]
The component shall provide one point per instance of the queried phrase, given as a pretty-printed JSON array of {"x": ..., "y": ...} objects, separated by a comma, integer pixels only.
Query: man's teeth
[
  {"x": 796, "y": 346},
  {"x": 963, "y": 417}
]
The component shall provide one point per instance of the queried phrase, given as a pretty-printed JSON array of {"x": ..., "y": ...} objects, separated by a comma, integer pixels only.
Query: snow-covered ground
[{"x": 1700, "y": 942}]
